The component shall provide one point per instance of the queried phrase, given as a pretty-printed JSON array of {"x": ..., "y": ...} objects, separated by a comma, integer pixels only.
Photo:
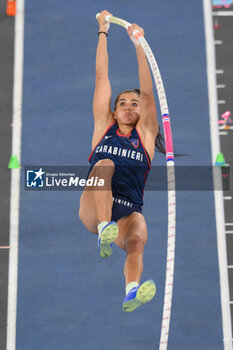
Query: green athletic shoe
[
  {"x": 107, "y": 236},
  {"x": 139, "y": 295}
]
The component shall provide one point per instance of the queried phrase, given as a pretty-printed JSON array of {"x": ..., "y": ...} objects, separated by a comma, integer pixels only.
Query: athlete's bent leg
[{"x": 96, "y": 205}]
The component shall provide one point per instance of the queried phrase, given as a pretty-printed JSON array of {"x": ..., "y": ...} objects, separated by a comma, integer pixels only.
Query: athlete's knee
[
  {"x": 105, "y": 162},
  {"x": 135, "y": 241},
  {"x": 104, "y": 169},
  {"x": 104, "y": 166}
]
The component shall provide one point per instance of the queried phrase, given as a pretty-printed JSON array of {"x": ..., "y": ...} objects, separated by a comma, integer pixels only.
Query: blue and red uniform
[{"x": 132, "y": 165}]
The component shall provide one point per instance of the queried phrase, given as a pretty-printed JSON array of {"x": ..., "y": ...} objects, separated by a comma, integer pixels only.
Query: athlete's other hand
[
  {"x": 131, "y": 29},
  {"x": 103, "y": 25}
]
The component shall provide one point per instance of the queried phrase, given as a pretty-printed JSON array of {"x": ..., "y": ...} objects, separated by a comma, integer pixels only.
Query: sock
[
  {"x": 130, "y": 285},
  {"x": 100, "y": 226}
]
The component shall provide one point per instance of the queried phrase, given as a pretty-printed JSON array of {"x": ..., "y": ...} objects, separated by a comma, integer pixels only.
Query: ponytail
[{"x": 160, "y": 143}]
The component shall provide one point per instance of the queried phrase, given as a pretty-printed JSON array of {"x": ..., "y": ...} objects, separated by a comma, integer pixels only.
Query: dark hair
[{"x": 159, "y": 141}]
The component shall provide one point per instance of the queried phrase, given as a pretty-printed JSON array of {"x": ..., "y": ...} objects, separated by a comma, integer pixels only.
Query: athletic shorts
[{"x": 123, "y": 207}]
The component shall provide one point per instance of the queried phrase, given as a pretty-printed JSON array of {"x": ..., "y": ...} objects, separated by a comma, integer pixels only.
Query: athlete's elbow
[{"x": 101, "y": 71}]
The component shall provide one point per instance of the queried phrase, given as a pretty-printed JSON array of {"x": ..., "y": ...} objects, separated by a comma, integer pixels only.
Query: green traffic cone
[
  {"x": 13, "y": 163},
  {"x": 220, "y": 160}
]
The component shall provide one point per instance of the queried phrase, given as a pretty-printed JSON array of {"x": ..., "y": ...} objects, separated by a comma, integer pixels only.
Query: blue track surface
[{"x": 68, "y": 298}]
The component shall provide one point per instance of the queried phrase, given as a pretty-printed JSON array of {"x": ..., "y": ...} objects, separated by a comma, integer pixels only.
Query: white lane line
[
  {"x": 221, "y": 102},
  {"x": 15, "y": 177},
  {"x": 229, "y": 232},
  {"x": 218, "y": 42},
  {"x": 227, "y": 198},
  {"x": 229, "y": 224},
  {"x": 221, "y": 86},
  {"x": 223, "y": 133},
  {"x": 223, "y": 13},
  {"x": 230, "y": 267},
  {"x": 218, "y": 195},
  {"x": 219, "y": 71}
]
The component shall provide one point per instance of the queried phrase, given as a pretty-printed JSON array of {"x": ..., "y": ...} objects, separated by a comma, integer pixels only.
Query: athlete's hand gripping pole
[{"x": 121, "y": 22}]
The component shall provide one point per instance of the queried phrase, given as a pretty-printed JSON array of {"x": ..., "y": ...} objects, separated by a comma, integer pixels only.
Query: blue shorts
[{"x": 123, "y": 207}]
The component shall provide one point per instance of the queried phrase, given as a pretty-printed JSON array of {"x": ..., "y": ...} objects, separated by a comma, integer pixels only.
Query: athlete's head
[
  {"x": 127, "y": 107},
  {"x": 135, "y": 91},
  {"x": 131, "y": 98}
]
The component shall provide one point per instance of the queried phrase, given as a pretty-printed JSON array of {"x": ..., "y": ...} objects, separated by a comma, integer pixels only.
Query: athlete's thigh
[{"x": 134, "y": 223}]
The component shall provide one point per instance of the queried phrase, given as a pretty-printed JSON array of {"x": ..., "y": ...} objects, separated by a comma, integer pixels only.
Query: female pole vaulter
[{"x": 123, "y": 147}]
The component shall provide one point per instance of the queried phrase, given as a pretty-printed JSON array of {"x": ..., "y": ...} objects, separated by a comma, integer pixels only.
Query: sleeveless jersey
[{"x": 132, "y": 162}]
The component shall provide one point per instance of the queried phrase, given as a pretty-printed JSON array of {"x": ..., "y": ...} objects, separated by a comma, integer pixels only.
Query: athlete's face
[{"x": 127, "y": 108}]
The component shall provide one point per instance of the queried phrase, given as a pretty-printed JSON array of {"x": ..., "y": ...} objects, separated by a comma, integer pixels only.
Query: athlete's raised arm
[
  {"x": 102, "y": 94},
  {"x": 148, "y": 115}
]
